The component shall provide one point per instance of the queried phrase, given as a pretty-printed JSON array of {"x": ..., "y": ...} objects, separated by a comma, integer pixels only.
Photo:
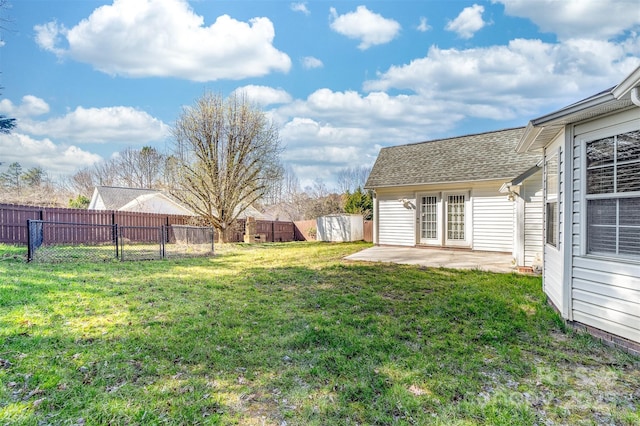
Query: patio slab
[{"x": 438, "y": 258}]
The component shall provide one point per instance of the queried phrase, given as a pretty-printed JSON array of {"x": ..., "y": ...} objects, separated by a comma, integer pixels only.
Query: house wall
[
  {"x": 605, "y": 292},
  {"x": 491, "y": 227},
  {"x": 553, "y": 273},
  {"x": 96, "y": 203},
  {"x": 531, "y": 193},
  {"x": 396, "y": 220},
  {"x": 493, "y": 219}
]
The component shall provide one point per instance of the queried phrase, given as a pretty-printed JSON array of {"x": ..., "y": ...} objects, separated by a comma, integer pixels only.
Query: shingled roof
[
  {"x": 478, "y": 157},
  {"x": 115, "y": 197}
]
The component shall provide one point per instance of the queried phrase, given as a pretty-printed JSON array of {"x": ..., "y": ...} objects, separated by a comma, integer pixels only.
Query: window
[
  {"x": 613, "y": 195},
  {"x": 552, "y": 183},
  {"x": 455, "y": 217},
  {"x": 429, "y": 217}
]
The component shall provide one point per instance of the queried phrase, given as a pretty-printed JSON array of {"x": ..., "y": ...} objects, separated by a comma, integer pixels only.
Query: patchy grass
[{"x": 291, "y": 334}]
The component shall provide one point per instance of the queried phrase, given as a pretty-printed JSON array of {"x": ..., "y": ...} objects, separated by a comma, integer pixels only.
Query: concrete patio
[{"x": 437, "y": 258}]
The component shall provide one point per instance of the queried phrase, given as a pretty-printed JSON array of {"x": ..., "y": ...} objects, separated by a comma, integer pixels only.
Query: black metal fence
[{"x": 63, "y": 241}]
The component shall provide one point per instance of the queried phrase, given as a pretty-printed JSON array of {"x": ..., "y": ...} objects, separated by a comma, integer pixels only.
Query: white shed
[{"x": 340, "y": 228}]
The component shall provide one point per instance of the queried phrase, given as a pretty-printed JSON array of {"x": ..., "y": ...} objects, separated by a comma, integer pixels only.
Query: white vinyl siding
[
  {"x": 396, "y": 219},
  {"x": 533, "y": 214},
  {"x": 606, "y": 295},
  {"x": 553, "y": 274},
  {"x": 493, "y": 220},
  {"x": 490, "y": 217},
  {"x": 605, "y": 291}
]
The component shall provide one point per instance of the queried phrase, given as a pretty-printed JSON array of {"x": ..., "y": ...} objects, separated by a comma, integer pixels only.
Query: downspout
[{"x": 635, "y": 96}]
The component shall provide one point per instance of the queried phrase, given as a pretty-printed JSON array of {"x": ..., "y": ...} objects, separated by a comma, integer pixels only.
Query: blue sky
[{"x": 341, "y": 79}]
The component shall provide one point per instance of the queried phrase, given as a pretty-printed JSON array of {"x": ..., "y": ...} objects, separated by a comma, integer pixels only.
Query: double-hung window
[
  {"x": 613, "y": 195},
  {"x": 552, "y": 184}
]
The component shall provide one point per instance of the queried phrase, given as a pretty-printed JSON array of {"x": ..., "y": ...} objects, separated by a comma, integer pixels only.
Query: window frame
[
  {"x": 551, "y": 201},
  {"x": 613, "y": 132},
  {"x": 438, "y": 211}
]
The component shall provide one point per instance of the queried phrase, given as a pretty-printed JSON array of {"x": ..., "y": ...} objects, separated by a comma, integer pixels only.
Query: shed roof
[{"x": 477, "y": 157}]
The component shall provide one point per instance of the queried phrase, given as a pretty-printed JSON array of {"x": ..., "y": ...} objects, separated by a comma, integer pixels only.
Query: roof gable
[{"x": 478, "y": 157}]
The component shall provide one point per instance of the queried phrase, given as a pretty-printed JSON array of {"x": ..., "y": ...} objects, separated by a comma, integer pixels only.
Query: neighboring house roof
[
  {"x": 135, "y": 199},
  {"x": 114, "y": 197},
  {"x": 147, "y": 201},
  {"x": 477, "y": 157},
  {"x": 251, "y": 211},
  {"x": 542, "y": 130}
]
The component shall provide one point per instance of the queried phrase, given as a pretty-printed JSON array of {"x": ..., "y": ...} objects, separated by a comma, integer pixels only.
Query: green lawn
[{"x": 290, "y": 334}]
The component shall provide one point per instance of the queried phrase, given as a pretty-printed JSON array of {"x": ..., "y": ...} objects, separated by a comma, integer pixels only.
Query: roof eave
[
  {"x": 528, "y": 138},
  {"x": 623, "y": 89},
  {"x": 586, "y": 104},
  {"x": 531, "y": 140},
  {"x": 457, "y": 182},
  {"x": 616, "y": 98}
]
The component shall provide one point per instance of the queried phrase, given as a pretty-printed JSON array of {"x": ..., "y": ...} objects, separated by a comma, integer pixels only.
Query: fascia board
[{"x": 627, "y": 84}]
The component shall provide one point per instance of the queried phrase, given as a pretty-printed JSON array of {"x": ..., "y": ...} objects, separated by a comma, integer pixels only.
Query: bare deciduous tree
[
  {"x": 319, "y": 200},
  {"x": 134, "y": 168},
  {"x": 351, "y": 178},
  {"x": 140, "y": 168},
  {"x": 283, "y": 190},
  {"x": 81, "y": 182},
  {"x": 225, "y": 157}
]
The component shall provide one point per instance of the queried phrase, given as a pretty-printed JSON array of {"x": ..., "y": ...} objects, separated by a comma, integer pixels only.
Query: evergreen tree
[
  {"x": 359, "y": 202},
  {"x": 11, "y": 178}
]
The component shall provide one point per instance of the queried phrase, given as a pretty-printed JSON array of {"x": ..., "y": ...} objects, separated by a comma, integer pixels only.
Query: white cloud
[
  {"x": 468, "y": 22},
  {"x": 117, "y": 124},
  {"x": 165, "y": 38},
  {"x": 264, "y": 95},
  {"x": 309, "y": 62},
  {"x": 423, "y": 26},
  {"x": 368, "y": 27},
  {"x": 54, "y": 159},
  {"x": 595, "y": 19},
  {"x": 31, "y": 106},
  {"x": 300, "y": 7},
  {"x": 49, "y": 35},
  {"x": 499, "y": 82},
  {"x": 330, "y": 130}
]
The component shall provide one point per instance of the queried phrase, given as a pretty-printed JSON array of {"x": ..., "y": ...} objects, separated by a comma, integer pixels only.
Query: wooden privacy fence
[
  {"x": 13, "y": 222},
  {"x": 367, "y": 229},
  {"x": 274, "y": 231}
]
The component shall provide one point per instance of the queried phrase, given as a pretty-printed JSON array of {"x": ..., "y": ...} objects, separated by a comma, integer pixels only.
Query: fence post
[
  {"x": 164, "y": 237},
  {"x": 114, "y": 232},
  {"x": 29, "y": 253}
]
